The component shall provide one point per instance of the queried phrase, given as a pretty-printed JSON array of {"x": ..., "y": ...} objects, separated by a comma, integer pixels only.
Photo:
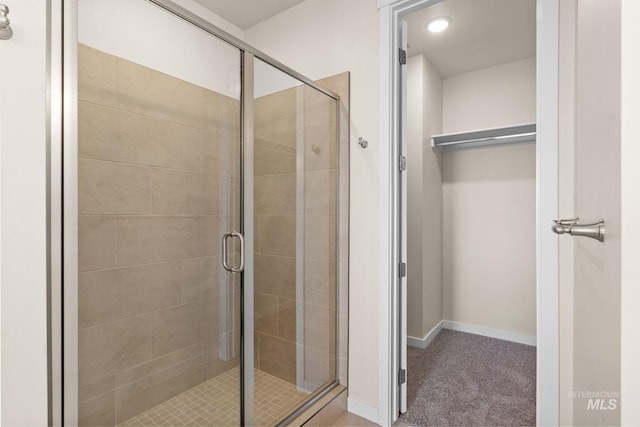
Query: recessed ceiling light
[{"x": 435, "y": 25}]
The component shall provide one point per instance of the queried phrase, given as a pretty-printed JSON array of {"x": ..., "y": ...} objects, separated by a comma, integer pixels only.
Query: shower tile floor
[{"x": 216, "y": 402}]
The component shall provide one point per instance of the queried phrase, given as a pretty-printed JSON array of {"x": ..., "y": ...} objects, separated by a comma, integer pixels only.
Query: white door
[
  {"x": 595, "y": 387},
  {"x": 402, "y": 223},
  {"x": 23, "y": 213}
]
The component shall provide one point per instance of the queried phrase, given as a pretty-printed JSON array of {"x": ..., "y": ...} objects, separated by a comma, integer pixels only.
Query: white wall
[
  {"x": 489, "y": 242},
  {"x": 415, "y": 215},
  {"x": 469, "y": 98},
  {"x": 143, "y": 33},
  {"x": 23, "y": 180},
  {"x": 206, "y": 61},
  {"x": 23, "y": 186},
  {"x": 630, "y": 153},
  {"x": 489, "y": 203},
  {"x": 320, "y": 38},
  {"x": 424, "y": 198},
  {"x": 431, "y": 202}
]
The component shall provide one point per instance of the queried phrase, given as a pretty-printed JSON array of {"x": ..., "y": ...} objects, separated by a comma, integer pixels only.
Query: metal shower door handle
[
  {"x": 225, "y": 264},
  {"x": 574, "y": 228}
]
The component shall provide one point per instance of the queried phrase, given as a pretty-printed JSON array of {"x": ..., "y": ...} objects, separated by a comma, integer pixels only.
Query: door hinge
[
  {"x": 403, "y": 57},
  {"x": 403, "y": 269},
  {"x": 402, "y": 376},
  {"x": 403, "y": 163}
]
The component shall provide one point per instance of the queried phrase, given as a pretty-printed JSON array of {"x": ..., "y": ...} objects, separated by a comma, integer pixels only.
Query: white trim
[
  {"x": 386, "y": 260},
  {"x": 362, "y": 409},
  {"x": 388, "y": 206},
  {"x": 547, "y": 329},
  {"x": 500, "y": 334},
  {"x": 384, "y": 3},
  {"x": 426, "y": 340}
]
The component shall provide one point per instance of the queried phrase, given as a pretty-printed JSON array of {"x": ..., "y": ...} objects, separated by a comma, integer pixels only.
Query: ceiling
[
  {"x": 482, "y": 33},
  {"x": 247, "y": 13}
]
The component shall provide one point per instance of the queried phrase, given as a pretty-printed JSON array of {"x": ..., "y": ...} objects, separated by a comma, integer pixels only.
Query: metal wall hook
[
  {"x": 5, "y": 28},
  {"x": 363, "y": 142}
]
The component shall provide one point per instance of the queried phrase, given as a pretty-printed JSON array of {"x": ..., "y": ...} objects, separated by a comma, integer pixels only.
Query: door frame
[{"x": 547, "y": 359}]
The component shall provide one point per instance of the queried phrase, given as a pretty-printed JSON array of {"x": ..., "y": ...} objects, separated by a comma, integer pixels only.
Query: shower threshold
[{"x": 216, "y": 402}]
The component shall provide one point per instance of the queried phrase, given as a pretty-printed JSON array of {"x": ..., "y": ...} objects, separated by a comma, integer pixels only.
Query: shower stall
[{"x": 205, "y": 224}]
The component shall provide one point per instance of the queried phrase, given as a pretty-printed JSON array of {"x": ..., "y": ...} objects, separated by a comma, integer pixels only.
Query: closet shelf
[{"x": 519, "y": 134}]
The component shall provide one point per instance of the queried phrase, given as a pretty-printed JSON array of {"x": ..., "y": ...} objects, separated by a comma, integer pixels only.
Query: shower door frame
[{"x": 63, "y": 328}]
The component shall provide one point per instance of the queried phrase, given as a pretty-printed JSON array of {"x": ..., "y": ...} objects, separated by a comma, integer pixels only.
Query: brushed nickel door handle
[
  {"x": 573, "y": 227},
  {"x": 5, "y": 28}
]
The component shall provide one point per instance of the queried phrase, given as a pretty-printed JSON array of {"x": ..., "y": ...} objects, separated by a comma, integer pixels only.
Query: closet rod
[
  {"x": 530, "y": 136},
  {"x": 481, "y": 138}
]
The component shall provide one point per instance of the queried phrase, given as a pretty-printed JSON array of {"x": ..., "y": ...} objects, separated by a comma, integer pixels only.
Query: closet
[
  {"x": 471, "y": 171},
  {"x": 471, "y": 214}
]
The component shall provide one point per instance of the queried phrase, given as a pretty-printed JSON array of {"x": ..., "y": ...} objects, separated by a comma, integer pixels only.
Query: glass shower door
[
  {"x": 159, "y": 184},
  {"x": 294, "y": 197},
  {"x": 194, "y": 159}
]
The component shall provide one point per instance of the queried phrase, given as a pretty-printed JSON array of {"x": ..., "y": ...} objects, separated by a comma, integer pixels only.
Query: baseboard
[
  {"x": 362, "y": 409},
  {"x": 490, "y": 332},
  {"x": 424, "y": 342}
]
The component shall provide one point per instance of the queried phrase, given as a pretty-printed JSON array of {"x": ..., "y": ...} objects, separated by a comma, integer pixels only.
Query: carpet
[{"x": 463, "y": 379}]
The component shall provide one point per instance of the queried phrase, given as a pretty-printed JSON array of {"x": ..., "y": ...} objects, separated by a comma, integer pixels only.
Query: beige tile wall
[
  {"x": 157, "y": 176},
  {"x": 154, "y": 195},
  {"x": 275, "y": 234},
  {"x": 301, "y": 118}
]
